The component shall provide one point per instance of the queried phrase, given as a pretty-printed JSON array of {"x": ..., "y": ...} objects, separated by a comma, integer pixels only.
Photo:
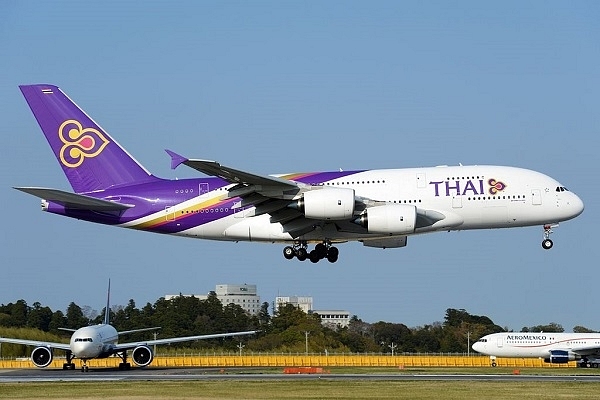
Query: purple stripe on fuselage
[{"x": 158, "y": 196}]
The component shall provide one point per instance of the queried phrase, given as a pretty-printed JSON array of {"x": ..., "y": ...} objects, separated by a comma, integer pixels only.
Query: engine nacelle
[
  {"x": 41, "y": 357},
  {"x": 328, "y": 204},
  {"x": 394, "y": 219},
  {"x": 142, "y": 356},
  {"x": 560, "y": 357}
]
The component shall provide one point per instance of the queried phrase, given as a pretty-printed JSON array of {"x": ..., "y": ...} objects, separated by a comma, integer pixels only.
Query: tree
[
  {"x": 551, "y": 327},
  {"x": 39, "y": 317},
  {"x": 582, "y": 329},
  {"x": 75, "y": 317}
]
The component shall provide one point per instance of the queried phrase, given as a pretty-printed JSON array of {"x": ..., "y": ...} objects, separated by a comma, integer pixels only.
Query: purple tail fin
[{"x": 89, "y": 157}]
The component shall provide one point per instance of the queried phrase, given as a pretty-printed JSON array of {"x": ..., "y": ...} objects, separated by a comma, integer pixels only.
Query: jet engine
[
  {"x": 393, "y": 219},
  {"x": 327, "y": 204},
  {"x": 41, "y": 357},
  {"x": 560, "y": 357},
  {"x": 142, "y": 356}
]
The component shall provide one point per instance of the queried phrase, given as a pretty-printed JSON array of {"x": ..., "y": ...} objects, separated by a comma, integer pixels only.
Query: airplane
[
  {"x": 101, "y": 341},
  {"x": 379, "y": 208},
  {"x": 556, "y": 348}
]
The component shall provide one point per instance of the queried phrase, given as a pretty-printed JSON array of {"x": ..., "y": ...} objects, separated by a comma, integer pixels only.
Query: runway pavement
[{"x": 191, "y": 374}]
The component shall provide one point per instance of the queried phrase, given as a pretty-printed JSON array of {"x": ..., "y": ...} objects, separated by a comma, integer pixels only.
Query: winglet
[{"x": 176, "y": 159}]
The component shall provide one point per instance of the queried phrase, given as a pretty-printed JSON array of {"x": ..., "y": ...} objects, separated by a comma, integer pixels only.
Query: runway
[{"x": 244, "y": 374}]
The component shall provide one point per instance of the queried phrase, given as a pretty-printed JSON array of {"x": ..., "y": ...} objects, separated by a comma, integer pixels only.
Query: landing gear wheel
[
  {"x": 332, "y": 254},
  {"x": 314, "y": 256},
  {"x": 288, "y": 252},
  {"x": 547, "y": 244},
  {"x": 321, "y": 250},
  {"x": 493, "y": 363},
  {"x": 301, "y": 254}
]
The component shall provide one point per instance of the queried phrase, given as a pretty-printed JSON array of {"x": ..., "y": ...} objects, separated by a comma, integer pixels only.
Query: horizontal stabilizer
[{"x": 72, "y": 200}]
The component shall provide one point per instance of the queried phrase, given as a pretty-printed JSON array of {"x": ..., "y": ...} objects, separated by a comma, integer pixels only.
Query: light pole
[
  {"x": 240, "y": 346},
  {"x": 392, "y": 346},
  {"x": 468, "y": 344},
  {"x": 306, "y": 342}
]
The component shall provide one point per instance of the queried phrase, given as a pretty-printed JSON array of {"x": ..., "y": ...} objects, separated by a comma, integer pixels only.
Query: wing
[
  {"x": 269, "y": 194},
  {"x": 131, "y": 345},
  {"x": 36, "y": 343},
  {"x": 586, "y": 350},
  {"x": 72, "y": 200},
  {"x": 231, "y": 175}
]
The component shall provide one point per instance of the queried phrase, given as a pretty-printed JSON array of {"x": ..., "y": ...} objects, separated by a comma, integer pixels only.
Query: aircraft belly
[{"x": 256, "y": 229}]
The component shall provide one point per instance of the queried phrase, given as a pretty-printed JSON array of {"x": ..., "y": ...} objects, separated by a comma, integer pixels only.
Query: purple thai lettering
[
  {"x": 469, "y": 186},
  {"x": 457, "y": 188},
  {"x": 481, "y": 186},
  {"x": 436, "y": 186}
]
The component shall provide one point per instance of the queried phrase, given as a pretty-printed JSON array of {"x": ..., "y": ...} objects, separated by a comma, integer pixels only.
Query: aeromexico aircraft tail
[{"x": 75, "y": 138}]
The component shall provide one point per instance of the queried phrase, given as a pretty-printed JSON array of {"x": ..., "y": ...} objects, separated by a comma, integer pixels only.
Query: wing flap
[{"x": 73, "y": 200}]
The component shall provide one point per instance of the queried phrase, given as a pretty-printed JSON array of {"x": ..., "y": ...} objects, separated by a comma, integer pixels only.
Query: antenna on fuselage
[{"x": 107, "y": 310}]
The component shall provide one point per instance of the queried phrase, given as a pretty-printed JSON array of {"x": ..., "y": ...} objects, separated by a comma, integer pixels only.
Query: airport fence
[{"x": 289, "y": 360}]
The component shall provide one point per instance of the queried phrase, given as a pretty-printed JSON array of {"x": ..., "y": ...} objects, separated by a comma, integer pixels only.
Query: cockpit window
[
  {"x": 561, "y": 189},
  {"x": 87, "y": 339}
]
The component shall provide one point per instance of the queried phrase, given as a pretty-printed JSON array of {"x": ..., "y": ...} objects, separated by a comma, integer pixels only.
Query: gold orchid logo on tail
[{"x": 79, "y": 143}]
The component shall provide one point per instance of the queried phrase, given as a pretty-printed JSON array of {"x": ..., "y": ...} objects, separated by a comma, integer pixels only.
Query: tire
[
  {"x": 314, "y": 256},
  {"x": 547, "y": 244},
  {"x": 493, "y": 363},
  {"x": 301, "y": 254},
  {"x": 321, "y": 250},
  {"x": 288, "y": 252}
]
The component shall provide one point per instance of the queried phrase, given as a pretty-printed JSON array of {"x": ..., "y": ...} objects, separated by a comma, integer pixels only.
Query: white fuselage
[
  {"x": 536, "y": 345},
  {"x": 469, "y": 197},
  {"x": 93, "y": 341}
]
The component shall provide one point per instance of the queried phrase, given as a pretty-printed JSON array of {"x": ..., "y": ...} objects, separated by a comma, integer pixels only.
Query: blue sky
[{"x": 279, "y": 87}]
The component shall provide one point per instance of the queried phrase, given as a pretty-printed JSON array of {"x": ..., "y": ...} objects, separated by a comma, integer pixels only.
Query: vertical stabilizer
[
  {"x": 89, "y": 157},
  {"x": 107, "y": 310}
]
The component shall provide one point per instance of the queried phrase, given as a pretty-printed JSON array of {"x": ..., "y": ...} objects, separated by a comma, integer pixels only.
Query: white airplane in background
[
  {"x": 101, "y": 341},
  {"x": 556, "y": 348},
  {"x": 379, "y": 208}
]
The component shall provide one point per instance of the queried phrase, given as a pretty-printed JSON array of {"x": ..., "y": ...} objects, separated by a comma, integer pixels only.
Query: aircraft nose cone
[{"x": 577, "y": 205}]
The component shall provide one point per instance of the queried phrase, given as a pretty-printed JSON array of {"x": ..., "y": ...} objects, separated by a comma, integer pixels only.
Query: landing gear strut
[
  {"x": 547, "y": 243},
  {"x": 321, "y": 251},
  {"x": 69, "y": 364},
  {"x": 124, "y": 366},
  {"x": 84, "y": 366}
]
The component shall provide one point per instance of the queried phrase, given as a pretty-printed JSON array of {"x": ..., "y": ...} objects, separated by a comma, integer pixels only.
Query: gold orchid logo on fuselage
[{"x": 79, "y": 143}]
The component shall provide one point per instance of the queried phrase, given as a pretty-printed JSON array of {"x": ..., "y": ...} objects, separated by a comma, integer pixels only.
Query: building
[
  {"x": 244, "y": 296},
  {"x": 305, "y": 303},
  {"x": 333, "y": 318},
  {"x": 330, "y": 318}
]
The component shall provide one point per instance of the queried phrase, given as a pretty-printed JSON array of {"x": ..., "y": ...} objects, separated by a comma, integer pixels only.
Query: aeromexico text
[{"x": 525, "y": 337}]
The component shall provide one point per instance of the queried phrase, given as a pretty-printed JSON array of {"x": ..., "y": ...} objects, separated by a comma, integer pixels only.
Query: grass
[{"x": 311, "y": 389}]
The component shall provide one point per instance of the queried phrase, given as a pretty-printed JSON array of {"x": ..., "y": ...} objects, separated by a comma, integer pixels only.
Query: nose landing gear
[
  {"x": 321, "y": 251},
  {"x": 547, "y": 242}
]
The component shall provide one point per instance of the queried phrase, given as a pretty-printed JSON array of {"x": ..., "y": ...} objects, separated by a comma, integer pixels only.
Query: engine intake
[
  {"x": 560, "y": 357},
  {"x": 41, "y": 357},
  {"x": 142, "y": 356},
  {"x": 393, "y": 219},
  {"x": 328, "y": 204}
]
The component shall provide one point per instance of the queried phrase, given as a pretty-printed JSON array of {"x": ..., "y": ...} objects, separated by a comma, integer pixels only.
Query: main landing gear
[
  {"x": 547, "y": 242},
  {"x": 69, "y": 364},
  {"x": 124, "y": 366},
  {"x": 321, "y": 251}
]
